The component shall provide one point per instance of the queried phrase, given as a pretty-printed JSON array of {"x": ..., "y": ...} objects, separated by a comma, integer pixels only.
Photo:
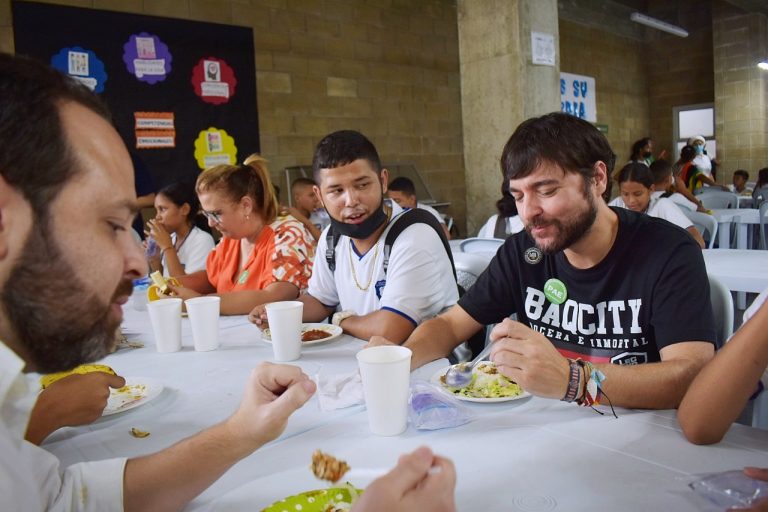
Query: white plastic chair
[
  {"x": 481, "y": 245},
  {"x": 469, "y": 266},
  {"x": 760, "y": 195},
  {"x": 722, "y": 309},
  {"x": 718, "y": 199},
  {"x": 705, "y": 223}
]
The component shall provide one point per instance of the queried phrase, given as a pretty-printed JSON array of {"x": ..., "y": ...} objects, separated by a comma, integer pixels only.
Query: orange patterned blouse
[{"x": 283, "y": 252}]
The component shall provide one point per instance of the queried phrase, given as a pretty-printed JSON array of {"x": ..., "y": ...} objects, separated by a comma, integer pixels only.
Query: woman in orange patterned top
[{"x": 259, "y": 259}]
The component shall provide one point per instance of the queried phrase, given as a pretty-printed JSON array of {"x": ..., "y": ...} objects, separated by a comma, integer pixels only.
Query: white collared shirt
[
  {"x": 30, "y": 478},
  {"x": 418, "y": 284},
  {"x": 660, "y": 207}
]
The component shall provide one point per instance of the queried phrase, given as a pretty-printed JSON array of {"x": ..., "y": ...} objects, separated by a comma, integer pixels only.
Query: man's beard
[
  {"x": 55, "y": 318},
  {"x": 570, "y": 230}
]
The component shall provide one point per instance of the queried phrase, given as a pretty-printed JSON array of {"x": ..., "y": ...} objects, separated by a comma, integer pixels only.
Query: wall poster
[{"x": 166, "y": 81}]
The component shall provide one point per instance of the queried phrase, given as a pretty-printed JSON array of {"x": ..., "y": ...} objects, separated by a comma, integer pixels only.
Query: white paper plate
[
  {"x": 137, "y": 391},
  {"x": 333, "y": 330},
  {"x": 435, "y": 379}
]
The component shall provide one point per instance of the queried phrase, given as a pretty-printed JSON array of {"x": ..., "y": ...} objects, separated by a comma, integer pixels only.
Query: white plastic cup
[
  {"x": 204, "y": 316},
  {"x": 386, "y": 374},
  {"x": 285, "y": 328},
  {"x": 165, "y": 315}
]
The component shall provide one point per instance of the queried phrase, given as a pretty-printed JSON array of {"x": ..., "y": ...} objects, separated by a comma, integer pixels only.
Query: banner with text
[{"x": 577, "y": 96}]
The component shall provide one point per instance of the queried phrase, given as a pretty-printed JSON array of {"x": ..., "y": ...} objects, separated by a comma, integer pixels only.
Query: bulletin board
[{"x": 182, "y": 93}]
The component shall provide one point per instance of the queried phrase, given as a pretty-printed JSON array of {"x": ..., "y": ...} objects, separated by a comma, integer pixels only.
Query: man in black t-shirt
[{"x": 612, "y": 287}]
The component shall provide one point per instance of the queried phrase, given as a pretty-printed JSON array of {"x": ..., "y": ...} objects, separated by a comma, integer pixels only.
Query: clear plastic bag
[
  {"x": 431, "y": 409},
  {"x": 730, "y": 489}
]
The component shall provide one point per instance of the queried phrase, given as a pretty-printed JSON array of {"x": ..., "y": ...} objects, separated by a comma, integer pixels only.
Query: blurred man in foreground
[{"x": 67, "y": 259}]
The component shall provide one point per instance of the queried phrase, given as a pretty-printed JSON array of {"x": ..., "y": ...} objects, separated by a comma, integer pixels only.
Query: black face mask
[
  {"x": 647, "y": 154},
  {"x": 364, "y": 229}
]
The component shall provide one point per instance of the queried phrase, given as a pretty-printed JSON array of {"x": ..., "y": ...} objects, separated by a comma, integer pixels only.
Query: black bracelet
[{"x": 573, "y": 382}]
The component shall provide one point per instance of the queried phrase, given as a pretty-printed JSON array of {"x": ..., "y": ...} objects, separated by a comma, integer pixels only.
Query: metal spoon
[{"x": 460, "y": 375}]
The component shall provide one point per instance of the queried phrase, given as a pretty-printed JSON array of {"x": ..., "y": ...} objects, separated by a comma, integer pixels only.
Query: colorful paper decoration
[
  {"x": 213, "y": 80},
  {"x": 155, "y": 130},
  {"x": 83, "y": 66},
  {"x": 147, "y": 57},
  {"x": 215, "y": 146}
]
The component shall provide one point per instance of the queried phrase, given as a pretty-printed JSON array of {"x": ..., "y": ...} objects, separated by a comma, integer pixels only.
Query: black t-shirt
[{"x": 650, "y": 291}]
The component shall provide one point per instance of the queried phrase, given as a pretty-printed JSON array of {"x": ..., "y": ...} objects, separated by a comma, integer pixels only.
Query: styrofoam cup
[
  {"x": 165, "y": 316},
  {"x": 285, "y": 328},
  {"x": 204, "y": 316},
  {"x": 386, "y": 373}
]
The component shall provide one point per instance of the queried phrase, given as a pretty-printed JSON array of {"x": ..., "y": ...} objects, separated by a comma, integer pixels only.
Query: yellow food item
[
  {"x": 160, "y": 286},
  {"x": 139, "y": 433},
  {"x": 159, "y": 280},
  {"x": 47, "y": 380}
]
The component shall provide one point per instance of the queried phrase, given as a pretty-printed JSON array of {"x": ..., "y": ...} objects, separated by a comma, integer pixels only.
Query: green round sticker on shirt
[
  {"x": 554, "y": 291},
  {"x": 243, "y": 277}
]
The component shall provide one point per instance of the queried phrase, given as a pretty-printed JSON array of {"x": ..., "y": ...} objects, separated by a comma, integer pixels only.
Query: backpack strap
[
  {"x": 408, "y": 218},
  {"x": 401, "y": 222},
  {"x": 331, "y": 240},
  {"x": 500, "y": 230}
]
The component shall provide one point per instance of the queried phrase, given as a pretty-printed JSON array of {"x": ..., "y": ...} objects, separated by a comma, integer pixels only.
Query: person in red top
[{"x": 259, "y": 259}]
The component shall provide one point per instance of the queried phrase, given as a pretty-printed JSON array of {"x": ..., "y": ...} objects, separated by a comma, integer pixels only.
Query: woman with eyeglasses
[
  {"x": 259, "y": 259},
  {"x": 183, "y": 246}
]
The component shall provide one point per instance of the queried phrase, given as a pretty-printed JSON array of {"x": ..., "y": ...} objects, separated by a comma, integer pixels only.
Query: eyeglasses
[{"x": 213, "y": 216}]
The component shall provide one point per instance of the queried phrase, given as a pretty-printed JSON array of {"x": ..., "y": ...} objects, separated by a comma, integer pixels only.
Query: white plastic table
[
  {"x": 742, "y": 217},
  {"x": 528, "y": 455},
  {"x": 741, "y": 270}
]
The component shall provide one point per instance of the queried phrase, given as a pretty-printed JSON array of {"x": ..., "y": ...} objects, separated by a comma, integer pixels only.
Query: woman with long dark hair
[
  {"x": 638, "y": 193},
  {"x": 182, "y": 247}
]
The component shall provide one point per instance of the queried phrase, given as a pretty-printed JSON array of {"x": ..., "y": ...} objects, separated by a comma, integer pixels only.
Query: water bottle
[
  {"x": 152, "y": 249},
  {"x": 139, "y": 295}
]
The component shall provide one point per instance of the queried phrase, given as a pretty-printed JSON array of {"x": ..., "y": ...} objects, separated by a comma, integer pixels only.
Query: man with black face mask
[{"x": 418, "y": 283}]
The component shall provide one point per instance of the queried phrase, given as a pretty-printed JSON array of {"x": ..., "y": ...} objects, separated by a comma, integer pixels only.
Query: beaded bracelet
[{"x": 573, "y": 382}]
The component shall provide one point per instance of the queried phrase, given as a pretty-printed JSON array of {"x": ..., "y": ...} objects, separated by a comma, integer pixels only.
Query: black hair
[
  {"x": 506, "y": 206},
  {"x": 637, "y": 147},
  {"x": 184, "y": 193},
  {"x": 762, "y": 178},
  {"x": 341, "y": 148},
  {"x": 181, "y": 194},
  {"x": 741, "y": 172},
  {"x": 661, "y": 170},
  {"x": 36, "y": 157},
  {"x": 687, "y": 153},
  {"x": 562, "y": 139},
  {"x": 404, "y": 185},
  {"x": 637, "y": 172}
]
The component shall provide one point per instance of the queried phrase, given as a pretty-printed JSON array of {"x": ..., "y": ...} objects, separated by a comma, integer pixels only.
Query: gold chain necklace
[{"x": 370, "y": 274}]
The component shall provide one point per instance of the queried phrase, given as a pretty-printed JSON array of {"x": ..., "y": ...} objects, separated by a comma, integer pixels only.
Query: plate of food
[
  {"x": 488, "y": 385},
  {"x": 311, "y": 334},
  {"x": 137, "y": 391},
  {"x": 334, "y": 499}
]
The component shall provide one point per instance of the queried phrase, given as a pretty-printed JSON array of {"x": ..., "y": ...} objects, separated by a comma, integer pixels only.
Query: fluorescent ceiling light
[
  {"x": 658, "y": 24},
  {"x": 763, "y": 65}
]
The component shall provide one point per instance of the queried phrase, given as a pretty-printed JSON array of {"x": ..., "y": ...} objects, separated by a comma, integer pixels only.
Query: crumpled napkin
[{"x": 339, "y": 391}]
